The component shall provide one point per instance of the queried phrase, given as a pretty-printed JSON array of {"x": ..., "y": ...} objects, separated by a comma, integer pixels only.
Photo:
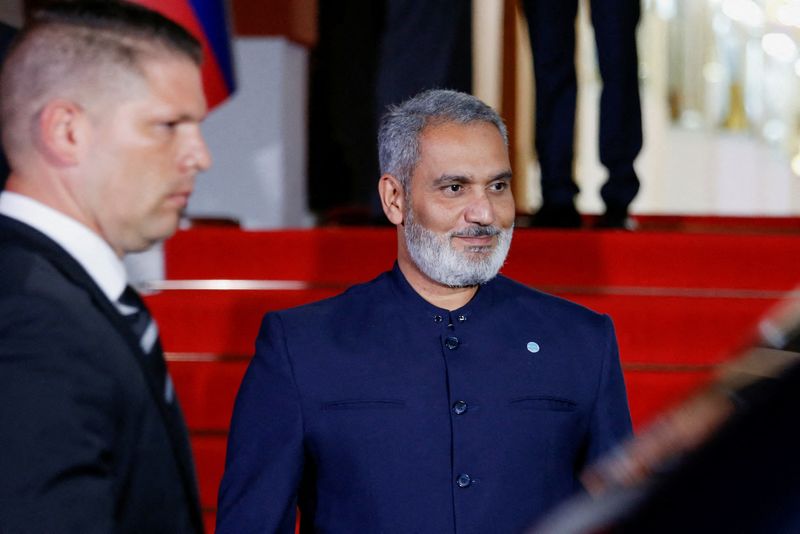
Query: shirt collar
[
  {"x": 86, "y": 247},
  {"x": 413, "y": 301}
]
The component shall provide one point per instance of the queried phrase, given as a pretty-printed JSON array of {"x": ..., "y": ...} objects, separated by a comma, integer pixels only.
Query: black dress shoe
[{"x": 565, "y": 216}]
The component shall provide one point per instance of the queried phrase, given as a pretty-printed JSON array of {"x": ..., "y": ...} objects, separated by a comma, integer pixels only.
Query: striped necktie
[
  {"x": 139, "y": 319},
  {"x": 144, "y": 327}
]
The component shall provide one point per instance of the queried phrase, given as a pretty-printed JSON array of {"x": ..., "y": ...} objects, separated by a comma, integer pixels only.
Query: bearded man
[{"x": 439, "y": 397}]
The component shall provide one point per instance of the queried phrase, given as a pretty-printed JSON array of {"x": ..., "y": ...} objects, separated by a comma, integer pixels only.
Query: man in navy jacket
[{"x": 438, "y": 397}]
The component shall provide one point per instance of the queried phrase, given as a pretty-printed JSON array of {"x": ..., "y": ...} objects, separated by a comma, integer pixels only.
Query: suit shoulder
[
  {"x": 36, "y": 298},
  {"x": 351, "y": 300},
  {"x": 26, "y": 272},
  {"x": 15, "y": 259},
  {"x": 541, "y": 302}
]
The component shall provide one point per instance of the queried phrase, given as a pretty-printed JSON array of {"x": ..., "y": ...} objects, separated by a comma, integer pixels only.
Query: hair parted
[
  {"x": 402, "y": 125},
  {"x": 79, "y": 50}
]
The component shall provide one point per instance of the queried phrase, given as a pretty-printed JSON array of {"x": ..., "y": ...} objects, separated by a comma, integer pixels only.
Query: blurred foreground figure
[
  {"x": 725, "y": 461},
  {"x": 439, "y": 397},
  {"x": 101, "y": 111}
]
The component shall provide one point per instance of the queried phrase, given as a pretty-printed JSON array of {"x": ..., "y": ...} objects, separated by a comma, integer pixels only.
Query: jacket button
[
  {"x": 451, "y": 343},
  {"x": 463, "y": 480},
  {"x": 459, "y": 407},
  {"x": 437, "y": 318},
  {"x": 462, "y": 318}
]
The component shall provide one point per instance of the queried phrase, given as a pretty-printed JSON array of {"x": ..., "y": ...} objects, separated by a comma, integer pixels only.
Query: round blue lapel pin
[{"x": 533, "y": 347}]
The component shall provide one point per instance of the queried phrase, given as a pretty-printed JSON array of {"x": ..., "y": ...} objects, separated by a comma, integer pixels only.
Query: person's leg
[
  {"x": 343, "y": 166},
  {"x": 551, "y": 26},
  {"x": 423, "y": 45},
  {"x": 620, "y": 139}
]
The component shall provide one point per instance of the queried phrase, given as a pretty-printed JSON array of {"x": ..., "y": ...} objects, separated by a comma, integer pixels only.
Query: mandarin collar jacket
[{"x": 376, "y": 411}]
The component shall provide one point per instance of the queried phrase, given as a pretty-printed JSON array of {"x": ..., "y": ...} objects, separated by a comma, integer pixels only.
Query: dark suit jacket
[
  {"x": 88, "y": 443},
  {"x": 378, "y": 412}
]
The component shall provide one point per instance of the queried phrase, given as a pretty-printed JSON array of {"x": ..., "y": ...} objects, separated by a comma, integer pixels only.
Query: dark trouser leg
[
  {"x": 424, "y": 45},
  {"x": 343, "y": 165},
  {"x": 614, "y": 23},
  {"x": 551, "y": 25}
]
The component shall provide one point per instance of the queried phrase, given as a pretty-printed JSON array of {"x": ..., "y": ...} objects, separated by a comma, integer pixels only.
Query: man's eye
[
  {"x": 499, "y": 186},
  {"x": 454, "y": 188}
]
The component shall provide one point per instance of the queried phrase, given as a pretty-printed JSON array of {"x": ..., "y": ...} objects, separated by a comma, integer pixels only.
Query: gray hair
[
  {"x": 401, "y": 126},
  {"x": 81, "y": 50}
]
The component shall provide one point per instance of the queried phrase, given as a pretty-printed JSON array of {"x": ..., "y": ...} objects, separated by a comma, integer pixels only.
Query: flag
[{"x": 207, "y": 21}]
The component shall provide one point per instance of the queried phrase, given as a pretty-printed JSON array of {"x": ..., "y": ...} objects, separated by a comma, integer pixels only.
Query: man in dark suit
[
  {"x": 438, "y": 397},
  {"x": 101, "y": 106}
]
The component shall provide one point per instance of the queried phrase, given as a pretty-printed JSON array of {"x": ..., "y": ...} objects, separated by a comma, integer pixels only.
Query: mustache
[{"x": 477, "y": 231}]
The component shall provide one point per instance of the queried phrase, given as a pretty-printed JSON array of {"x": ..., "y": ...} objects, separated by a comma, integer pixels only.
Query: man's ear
[
  {"x": 392, "y": 197},
  {"x": 62, "y": 132}
]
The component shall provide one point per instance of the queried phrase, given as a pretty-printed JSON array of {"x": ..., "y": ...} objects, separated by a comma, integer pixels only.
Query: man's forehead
[
  {"x": 174, "y": 77},
  {"x": 476, "y": 135},
  {"x": 450, "y": 131},
  {"x": 156, "y": 91}
]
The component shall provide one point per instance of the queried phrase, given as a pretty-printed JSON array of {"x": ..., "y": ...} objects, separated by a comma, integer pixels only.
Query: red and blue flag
[{"x": 207, "y": 21}]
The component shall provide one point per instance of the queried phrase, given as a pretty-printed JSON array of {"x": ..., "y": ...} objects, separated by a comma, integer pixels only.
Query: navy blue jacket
[{"x": 377, "y": 412}]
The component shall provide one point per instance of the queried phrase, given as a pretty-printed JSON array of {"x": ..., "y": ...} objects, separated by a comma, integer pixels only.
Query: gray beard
[{"x": 434, "y": 255}]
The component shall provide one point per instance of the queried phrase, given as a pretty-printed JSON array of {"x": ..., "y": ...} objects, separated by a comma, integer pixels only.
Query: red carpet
[{"x": 683, "y": 300}]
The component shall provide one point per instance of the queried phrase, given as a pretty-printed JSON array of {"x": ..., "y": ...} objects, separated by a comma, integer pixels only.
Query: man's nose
[
  {"x": 480, "y": 210},
  {"x": 198, "y": 156}
]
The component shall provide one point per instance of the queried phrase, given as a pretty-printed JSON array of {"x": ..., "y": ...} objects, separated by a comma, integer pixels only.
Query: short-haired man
[
  {"x": 438, "y": 397},
  {"x": 101, "y": 111}
]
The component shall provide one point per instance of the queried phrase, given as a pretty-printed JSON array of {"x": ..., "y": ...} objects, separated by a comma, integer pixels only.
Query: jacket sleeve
[
  {"x": 264, "y": 460},
  {"x": 56, "y": 424},
  {"x": 610, "y": 421}
]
